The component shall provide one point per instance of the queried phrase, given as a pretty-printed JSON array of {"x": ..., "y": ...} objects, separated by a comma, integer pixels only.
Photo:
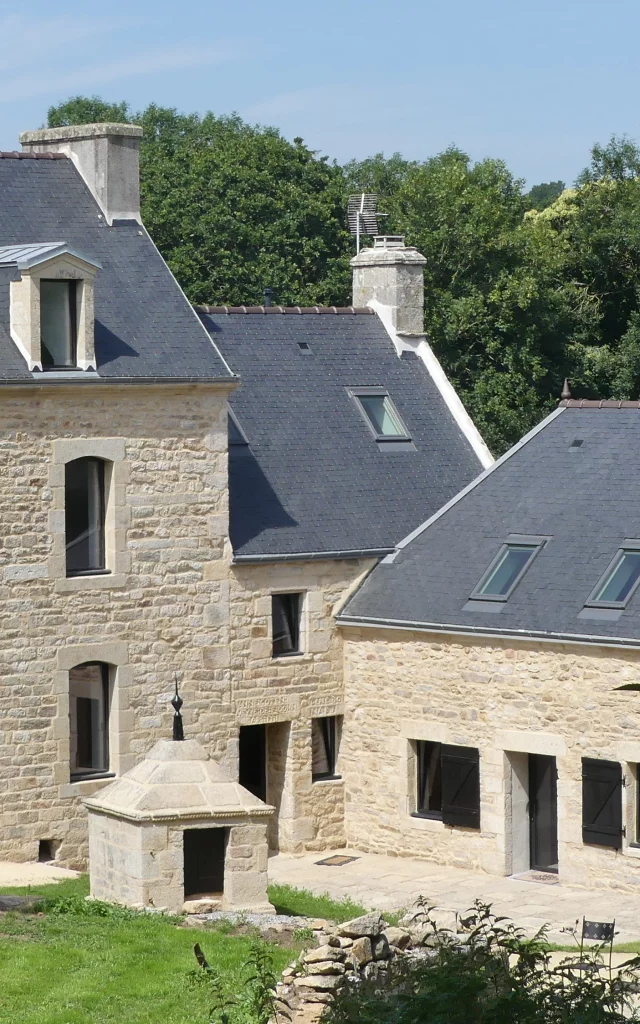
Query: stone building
[
  {"x": 120, "y": 569},
  {"x": 492, "y": 665}
]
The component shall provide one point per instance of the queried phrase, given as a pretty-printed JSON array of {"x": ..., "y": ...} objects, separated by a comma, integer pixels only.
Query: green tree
[
  {"x": 236, "y": 208},
  {"x": 541, "y": 196},
  {"x": 87, "y": 110},
  {"x": 521, "y": 291}
]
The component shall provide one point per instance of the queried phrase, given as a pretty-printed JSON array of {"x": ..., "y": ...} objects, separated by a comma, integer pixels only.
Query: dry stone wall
[{"x": 508, "y": 699}]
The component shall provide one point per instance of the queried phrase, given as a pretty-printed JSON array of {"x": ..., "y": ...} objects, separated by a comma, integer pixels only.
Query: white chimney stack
[
  {"x": 106, "y": 155},
  {"x": 391, "y": 274}
]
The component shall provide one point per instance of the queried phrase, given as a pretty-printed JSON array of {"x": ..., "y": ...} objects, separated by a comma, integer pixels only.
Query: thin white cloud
[{"x": 52, "y": 81}]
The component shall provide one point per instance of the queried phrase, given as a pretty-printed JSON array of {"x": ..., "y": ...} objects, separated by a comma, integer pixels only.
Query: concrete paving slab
[
  {"x": 21, "y": 875},
  {"x": 391, "y": 883}
]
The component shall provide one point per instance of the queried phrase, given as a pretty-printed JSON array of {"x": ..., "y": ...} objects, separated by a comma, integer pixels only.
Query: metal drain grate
[
  {"x": 547, "y": 877},
  {"x": 337, "y": 861}
]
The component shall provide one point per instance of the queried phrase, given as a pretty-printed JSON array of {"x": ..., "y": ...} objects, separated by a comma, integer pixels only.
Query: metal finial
[
  {"x": 566, "y": 393},
  {"x": 177, "y": 702}
]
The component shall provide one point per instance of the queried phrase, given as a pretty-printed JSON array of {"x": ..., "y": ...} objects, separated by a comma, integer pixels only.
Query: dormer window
[
  {"x": 52, "y": 305},
  {"x": 58, "y": 324}
]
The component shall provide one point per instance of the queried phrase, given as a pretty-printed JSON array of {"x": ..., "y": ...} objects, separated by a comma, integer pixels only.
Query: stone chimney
[
  {"x": 106, "y": 155},
  {"x": 391, "y": 274}
]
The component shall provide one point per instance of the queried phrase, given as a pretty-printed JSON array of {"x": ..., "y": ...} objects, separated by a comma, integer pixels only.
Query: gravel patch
[{"x": 260, "y": 920}]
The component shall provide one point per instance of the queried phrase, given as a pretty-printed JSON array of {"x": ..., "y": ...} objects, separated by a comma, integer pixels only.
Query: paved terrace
[{"x": 388, "y": 883}]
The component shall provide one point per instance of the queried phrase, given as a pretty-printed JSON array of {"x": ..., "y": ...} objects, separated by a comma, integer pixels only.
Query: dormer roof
[{"x": 35, "y": 253}]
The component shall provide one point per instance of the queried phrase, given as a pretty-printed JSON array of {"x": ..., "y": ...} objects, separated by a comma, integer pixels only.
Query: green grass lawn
[{"x": 76, "y": 969}]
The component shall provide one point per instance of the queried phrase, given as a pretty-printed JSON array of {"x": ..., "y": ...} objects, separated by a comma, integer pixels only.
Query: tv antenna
[{"x": 363, "y": 215}]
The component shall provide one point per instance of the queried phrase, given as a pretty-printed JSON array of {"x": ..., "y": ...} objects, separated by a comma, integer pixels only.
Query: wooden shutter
[
  {"x": 601, "y": 803},
  {"x": 461, "y": 786}
]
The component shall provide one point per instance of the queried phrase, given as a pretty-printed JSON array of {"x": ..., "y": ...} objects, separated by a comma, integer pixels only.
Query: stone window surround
[
  {"x": 117, "y": 514},
  {"x": 507, "y": 741},
  {"x": 25, "y": 308},
  {"x": 115, "y": 654}
]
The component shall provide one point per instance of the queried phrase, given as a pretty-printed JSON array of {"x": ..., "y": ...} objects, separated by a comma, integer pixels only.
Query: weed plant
[{"x": 492, "y": 974}]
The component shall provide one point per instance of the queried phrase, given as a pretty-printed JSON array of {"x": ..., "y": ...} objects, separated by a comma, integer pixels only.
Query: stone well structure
[{"x": 176, "y": 829}]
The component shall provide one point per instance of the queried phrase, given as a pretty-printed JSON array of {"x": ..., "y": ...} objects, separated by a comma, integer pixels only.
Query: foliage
[
  {"x": 75, "y": 968},
  {"x": 80, "y": 906},
  {"x": 302, "y": 903},
  {"x": 522, "y": 290},
  {"x": 87, "y": 110},
  {"x": 258, "y": 1004},
  {"x": 496, "y": 976},
  {"x": 541, "y": 196}
]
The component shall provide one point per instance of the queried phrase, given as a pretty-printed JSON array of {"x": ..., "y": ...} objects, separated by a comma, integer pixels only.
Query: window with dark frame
[
  {"x": 447, "y": 783},
  {"x": 620, "y": 580},
  {"x": 285, "y": 620},
  {"x": 84, "y": 503},
  {"x": 429, "y": 779},
  {"x": 380, "y": 414},
  {"x": 89, "y": 719},
  {"x": 58, "y": 326},
  {"x": 506, "y": 571},
  {"x": 325, "y": 739}
]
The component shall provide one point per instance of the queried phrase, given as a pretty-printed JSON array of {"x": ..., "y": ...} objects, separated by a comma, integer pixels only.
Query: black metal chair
[{"x": 602, "y": 932}]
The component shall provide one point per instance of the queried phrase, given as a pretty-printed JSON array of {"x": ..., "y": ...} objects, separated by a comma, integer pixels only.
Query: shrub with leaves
[
  {"x": 258, "y": 1004},
  {"x": 492, "y": 974}
]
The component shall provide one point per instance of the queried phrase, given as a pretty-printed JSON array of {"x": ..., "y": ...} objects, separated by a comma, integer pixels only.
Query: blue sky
[{"x": 535, "y": 84}]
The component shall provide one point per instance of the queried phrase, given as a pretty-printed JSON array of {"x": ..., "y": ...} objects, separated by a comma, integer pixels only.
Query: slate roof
[
  {"x": 583, "y": 498},
  {"x": 314, "y": 480},
  {"x": 145, "y": 328}
]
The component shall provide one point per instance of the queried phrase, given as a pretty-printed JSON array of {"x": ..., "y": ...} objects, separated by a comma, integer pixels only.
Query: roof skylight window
[
  {"x": 619, "y": 581},
  {"x": 380, "y": 414},
  {"x": 505, "y": 571}
]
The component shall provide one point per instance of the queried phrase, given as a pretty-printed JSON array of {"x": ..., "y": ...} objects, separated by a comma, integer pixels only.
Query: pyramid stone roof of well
[{"x": 177, "y": 780}]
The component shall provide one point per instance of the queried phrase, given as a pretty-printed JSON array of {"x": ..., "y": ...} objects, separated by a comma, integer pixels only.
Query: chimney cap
[
  {"x": 73, "y": 132},
  {"x": 389, "y": 242}
]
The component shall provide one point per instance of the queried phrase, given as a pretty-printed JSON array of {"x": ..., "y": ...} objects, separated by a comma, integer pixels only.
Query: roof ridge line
[
  {"x": 474, "y": 483},
  {"x": 599, "y": 403},
  {"x": 15, "y": 154},
  {"x": 284, "y": 310}
]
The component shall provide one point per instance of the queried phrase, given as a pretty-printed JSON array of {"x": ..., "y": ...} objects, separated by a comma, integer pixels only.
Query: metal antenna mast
[{"x": 363, "y": 215}]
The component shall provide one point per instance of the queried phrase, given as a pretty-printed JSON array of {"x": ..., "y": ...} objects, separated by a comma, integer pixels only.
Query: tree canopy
[{"x": 521, "y": 289}]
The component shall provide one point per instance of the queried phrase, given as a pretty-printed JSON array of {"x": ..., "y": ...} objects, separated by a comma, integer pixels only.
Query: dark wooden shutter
[
  {"x": 601, "y": 803},
  {"x": 461, "y": 786}
]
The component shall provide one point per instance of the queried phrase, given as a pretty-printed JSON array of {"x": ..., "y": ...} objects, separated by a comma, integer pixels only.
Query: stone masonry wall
[
  {"x": 293, "y": 689},
  {"x": 508, "y": 699},
  {"x": 163, "y": 609}
]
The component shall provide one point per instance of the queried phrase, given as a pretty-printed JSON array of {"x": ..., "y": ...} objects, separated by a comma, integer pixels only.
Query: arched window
[
  {"x": 84, "y": 504},
  {"x": 89, "y": 701}
]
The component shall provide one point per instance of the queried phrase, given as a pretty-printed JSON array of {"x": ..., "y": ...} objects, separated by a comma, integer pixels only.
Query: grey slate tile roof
[
  {"x": 584, "y": 499},
  {"x": 145, "y": 328},
  {"x": 314, "y": 480}
]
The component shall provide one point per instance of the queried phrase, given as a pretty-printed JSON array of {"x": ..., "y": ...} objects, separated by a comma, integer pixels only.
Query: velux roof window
[
  {"x": 620, "y": 580},
  {"x": 382, "y": 417},
  {"x": 506, "y": 571}
]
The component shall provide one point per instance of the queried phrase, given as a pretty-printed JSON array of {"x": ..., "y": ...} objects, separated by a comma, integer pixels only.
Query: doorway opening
[
  {"x": 264, "y": 767},
  {"x": 252, "y": 773},
  {"x": 204, "y": 852},
  {"x": 543, "y": 813}
]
